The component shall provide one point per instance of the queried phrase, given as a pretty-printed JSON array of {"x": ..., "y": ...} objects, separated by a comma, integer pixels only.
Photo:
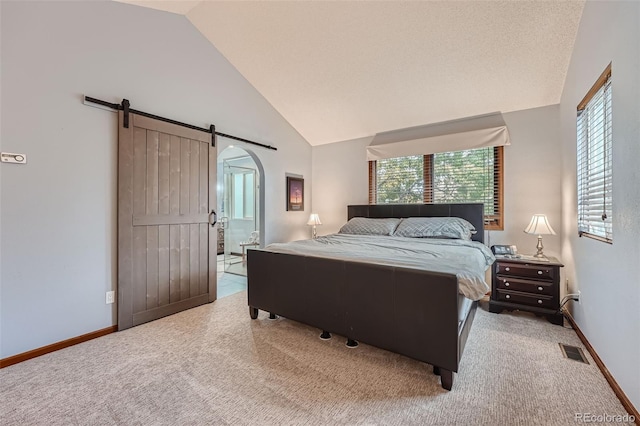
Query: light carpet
[{"x": 213, "y": 365}]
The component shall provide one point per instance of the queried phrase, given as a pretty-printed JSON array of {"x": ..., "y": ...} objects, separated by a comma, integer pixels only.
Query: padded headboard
[{"x": 472, "y": 212}]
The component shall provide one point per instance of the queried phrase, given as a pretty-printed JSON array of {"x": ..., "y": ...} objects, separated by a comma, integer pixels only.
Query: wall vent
[{"x": 573, "y": 352}]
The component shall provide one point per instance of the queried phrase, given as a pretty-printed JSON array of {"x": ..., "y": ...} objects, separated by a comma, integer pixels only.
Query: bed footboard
[{"x": 407, "y": 311}]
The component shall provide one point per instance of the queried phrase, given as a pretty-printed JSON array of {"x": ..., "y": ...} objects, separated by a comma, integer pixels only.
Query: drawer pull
[
  {"x": 507, "y": 269},
  {"x": 506, "y": 284},
  {"x": 539, "y": 302},
  {"x": 540, "y": 288},
  {"x": 508, "y": 297},
  {"x": 539, "y": 272}
]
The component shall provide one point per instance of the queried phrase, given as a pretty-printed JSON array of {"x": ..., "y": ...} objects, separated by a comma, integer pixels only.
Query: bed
[{"x": 384, "y": 303}]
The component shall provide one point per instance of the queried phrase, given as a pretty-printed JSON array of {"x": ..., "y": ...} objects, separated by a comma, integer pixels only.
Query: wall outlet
[
  {"x": 579, "y": 296},
  {"x": 111, "y": 295}
]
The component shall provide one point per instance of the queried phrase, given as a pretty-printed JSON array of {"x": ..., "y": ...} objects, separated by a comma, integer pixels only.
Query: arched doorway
[{"x": 240, "y": 207}]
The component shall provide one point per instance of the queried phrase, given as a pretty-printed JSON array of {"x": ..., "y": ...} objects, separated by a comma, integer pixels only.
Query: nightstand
[{"x": 527, "y": 285}]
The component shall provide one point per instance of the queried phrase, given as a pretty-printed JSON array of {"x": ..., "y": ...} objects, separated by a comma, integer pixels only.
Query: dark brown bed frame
[{"x": 406, "y": 311}]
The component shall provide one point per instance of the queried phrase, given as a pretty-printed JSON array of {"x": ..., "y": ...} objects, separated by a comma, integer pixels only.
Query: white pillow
[{"x": 368, "y": 226}]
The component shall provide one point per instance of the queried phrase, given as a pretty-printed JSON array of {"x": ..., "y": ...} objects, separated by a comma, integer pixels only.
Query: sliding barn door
[{"x": 166, "y": 240}]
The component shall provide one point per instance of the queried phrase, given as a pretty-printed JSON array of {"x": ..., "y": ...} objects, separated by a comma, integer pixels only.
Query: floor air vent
[{"x": 573, "y": 352}]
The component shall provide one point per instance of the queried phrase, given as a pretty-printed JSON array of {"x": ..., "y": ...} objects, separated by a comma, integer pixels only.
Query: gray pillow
[
  {"x": 367, "y": 226},
  {"x": 435, "y": 227}
]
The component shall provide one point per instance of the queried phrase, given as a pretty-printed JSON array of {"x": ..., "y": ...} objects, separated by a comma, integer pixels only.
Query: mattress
[
  {"x": 467, "y": 260},
  {"x": 464, "y": 305}
]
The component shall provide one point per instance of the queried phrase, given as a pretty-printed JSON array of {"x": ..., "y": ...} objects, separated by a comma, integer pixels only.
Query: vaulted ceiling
[{"x": 341, "y": 70}]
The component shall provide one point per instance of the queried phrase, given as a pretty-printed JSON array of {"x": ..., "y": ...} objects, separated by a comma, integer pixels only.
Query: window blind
[
  {"x": 470, "y": 176},
  {"x": 399, "y": 180},
  {"x": 594, "y": 146}
]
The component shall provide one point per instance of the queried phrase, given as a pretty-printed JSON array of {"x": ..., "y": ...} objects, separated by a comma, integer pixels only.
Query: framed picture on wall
[{"x": 295, "y": 194}]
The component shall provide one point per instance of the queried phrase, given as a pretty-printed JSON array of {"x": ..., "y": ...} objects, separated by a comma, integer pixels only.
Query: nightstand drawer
[
  {"x": 541, "y": 300},
  {"x": 526, "y": 271},
  {"x": 527, "y": 286}
]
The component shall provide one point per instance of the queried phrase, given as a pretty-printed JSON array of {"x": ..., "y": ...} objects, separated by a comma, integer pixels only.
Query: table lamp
[
  {"x": 539, "y": 226},
  {"x": 314, "y": 220}
]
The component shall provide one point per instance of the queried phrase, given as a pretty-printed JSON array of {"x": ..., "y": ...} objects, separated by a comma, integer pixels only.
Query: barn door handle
[{"x": 215, "y": 218}]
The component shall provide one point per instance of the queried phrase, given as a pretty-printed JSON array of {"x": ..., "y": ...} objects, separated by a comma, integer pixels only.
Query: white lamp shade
[
  {"x": 314, "y": 219},
  {"x": 539, "y": 225}
]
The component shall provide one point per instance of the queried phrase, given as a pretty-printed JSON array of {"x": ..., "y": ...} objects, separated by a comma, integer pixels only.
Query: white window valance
[{"x": 458, "y": 135}]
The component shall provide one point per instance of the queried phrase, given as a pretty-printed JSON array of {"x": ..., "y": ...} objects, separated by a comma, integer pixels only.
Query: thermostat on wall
[{"x": 10, "y": 157}]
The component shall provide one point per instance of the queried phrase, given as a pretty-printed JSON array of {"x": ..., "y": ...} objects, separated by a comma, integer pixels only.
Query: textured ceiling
[{"x": 342, "y": 70}]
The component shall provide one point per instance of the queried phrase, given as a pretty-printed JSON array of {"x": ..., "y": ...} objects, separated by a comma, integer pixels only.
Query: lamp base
[{"x": 539, "y": 246}]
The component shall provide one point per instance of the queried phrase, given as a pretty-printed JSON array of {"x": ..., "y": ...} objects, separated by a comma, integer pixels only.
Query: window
[
  {"x": 471, "y": 176},
  {"x": 594, "y": 161},
  {"x": 398, "y": 180},
  {"x": 242, "y": 195}
]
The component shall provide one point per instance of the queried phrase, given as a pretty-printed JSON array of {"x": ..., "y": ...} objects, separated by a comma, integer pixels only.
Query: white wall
[
  {"x": 340, "y": 177},
  {"x": 608, "y": 276},
  {"x": 531, "y": 184},
  {"x": 531, "y": 174},
  {"x": 1, "y": 149},
  {"x": 58, "y": 218}
]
